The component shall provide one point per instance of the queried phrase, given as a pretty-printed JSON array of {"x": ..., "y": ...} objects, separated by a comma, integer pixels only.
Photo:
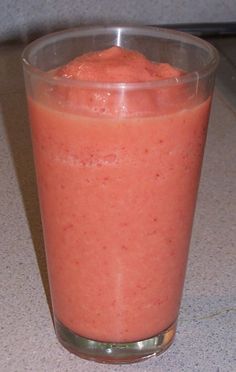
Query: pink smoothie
[{"x": 117, "y": 177}]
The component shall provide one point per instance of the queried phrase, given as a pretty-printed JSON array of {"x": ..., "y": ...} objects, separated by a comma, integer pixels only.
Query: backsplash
[{"x": 26, "y": 19}]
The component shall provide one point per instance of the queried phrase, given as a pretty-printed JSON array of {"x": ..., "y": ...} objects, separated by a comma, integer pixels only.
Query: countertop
[{"x": 206, "y": 336}]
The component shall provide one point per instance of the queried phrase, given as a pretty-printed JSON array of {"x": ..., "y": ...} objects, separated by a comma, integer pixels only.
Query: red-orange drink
[{"x": 117, "y": 177}]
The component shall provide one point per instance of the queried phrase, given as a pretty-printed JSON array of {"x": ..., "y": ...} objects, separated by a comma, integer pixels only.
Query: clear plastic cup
[{"x": 118, "y": 167}]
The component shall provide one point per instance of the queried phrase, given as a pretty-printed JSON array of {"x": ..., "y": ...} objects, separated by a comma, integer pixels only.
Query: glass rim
[{"x": 169, "y": 34}]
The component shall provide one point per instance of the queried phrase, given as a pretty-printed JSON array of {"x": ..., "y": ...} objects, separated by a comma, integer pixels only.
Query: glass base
[{"x": 111, "y": 352}]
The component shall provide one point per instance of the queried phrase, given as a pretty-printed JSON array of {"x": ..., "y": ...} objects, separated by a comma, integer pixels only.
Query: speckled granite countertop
[{"x": 206, "y": 336}]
